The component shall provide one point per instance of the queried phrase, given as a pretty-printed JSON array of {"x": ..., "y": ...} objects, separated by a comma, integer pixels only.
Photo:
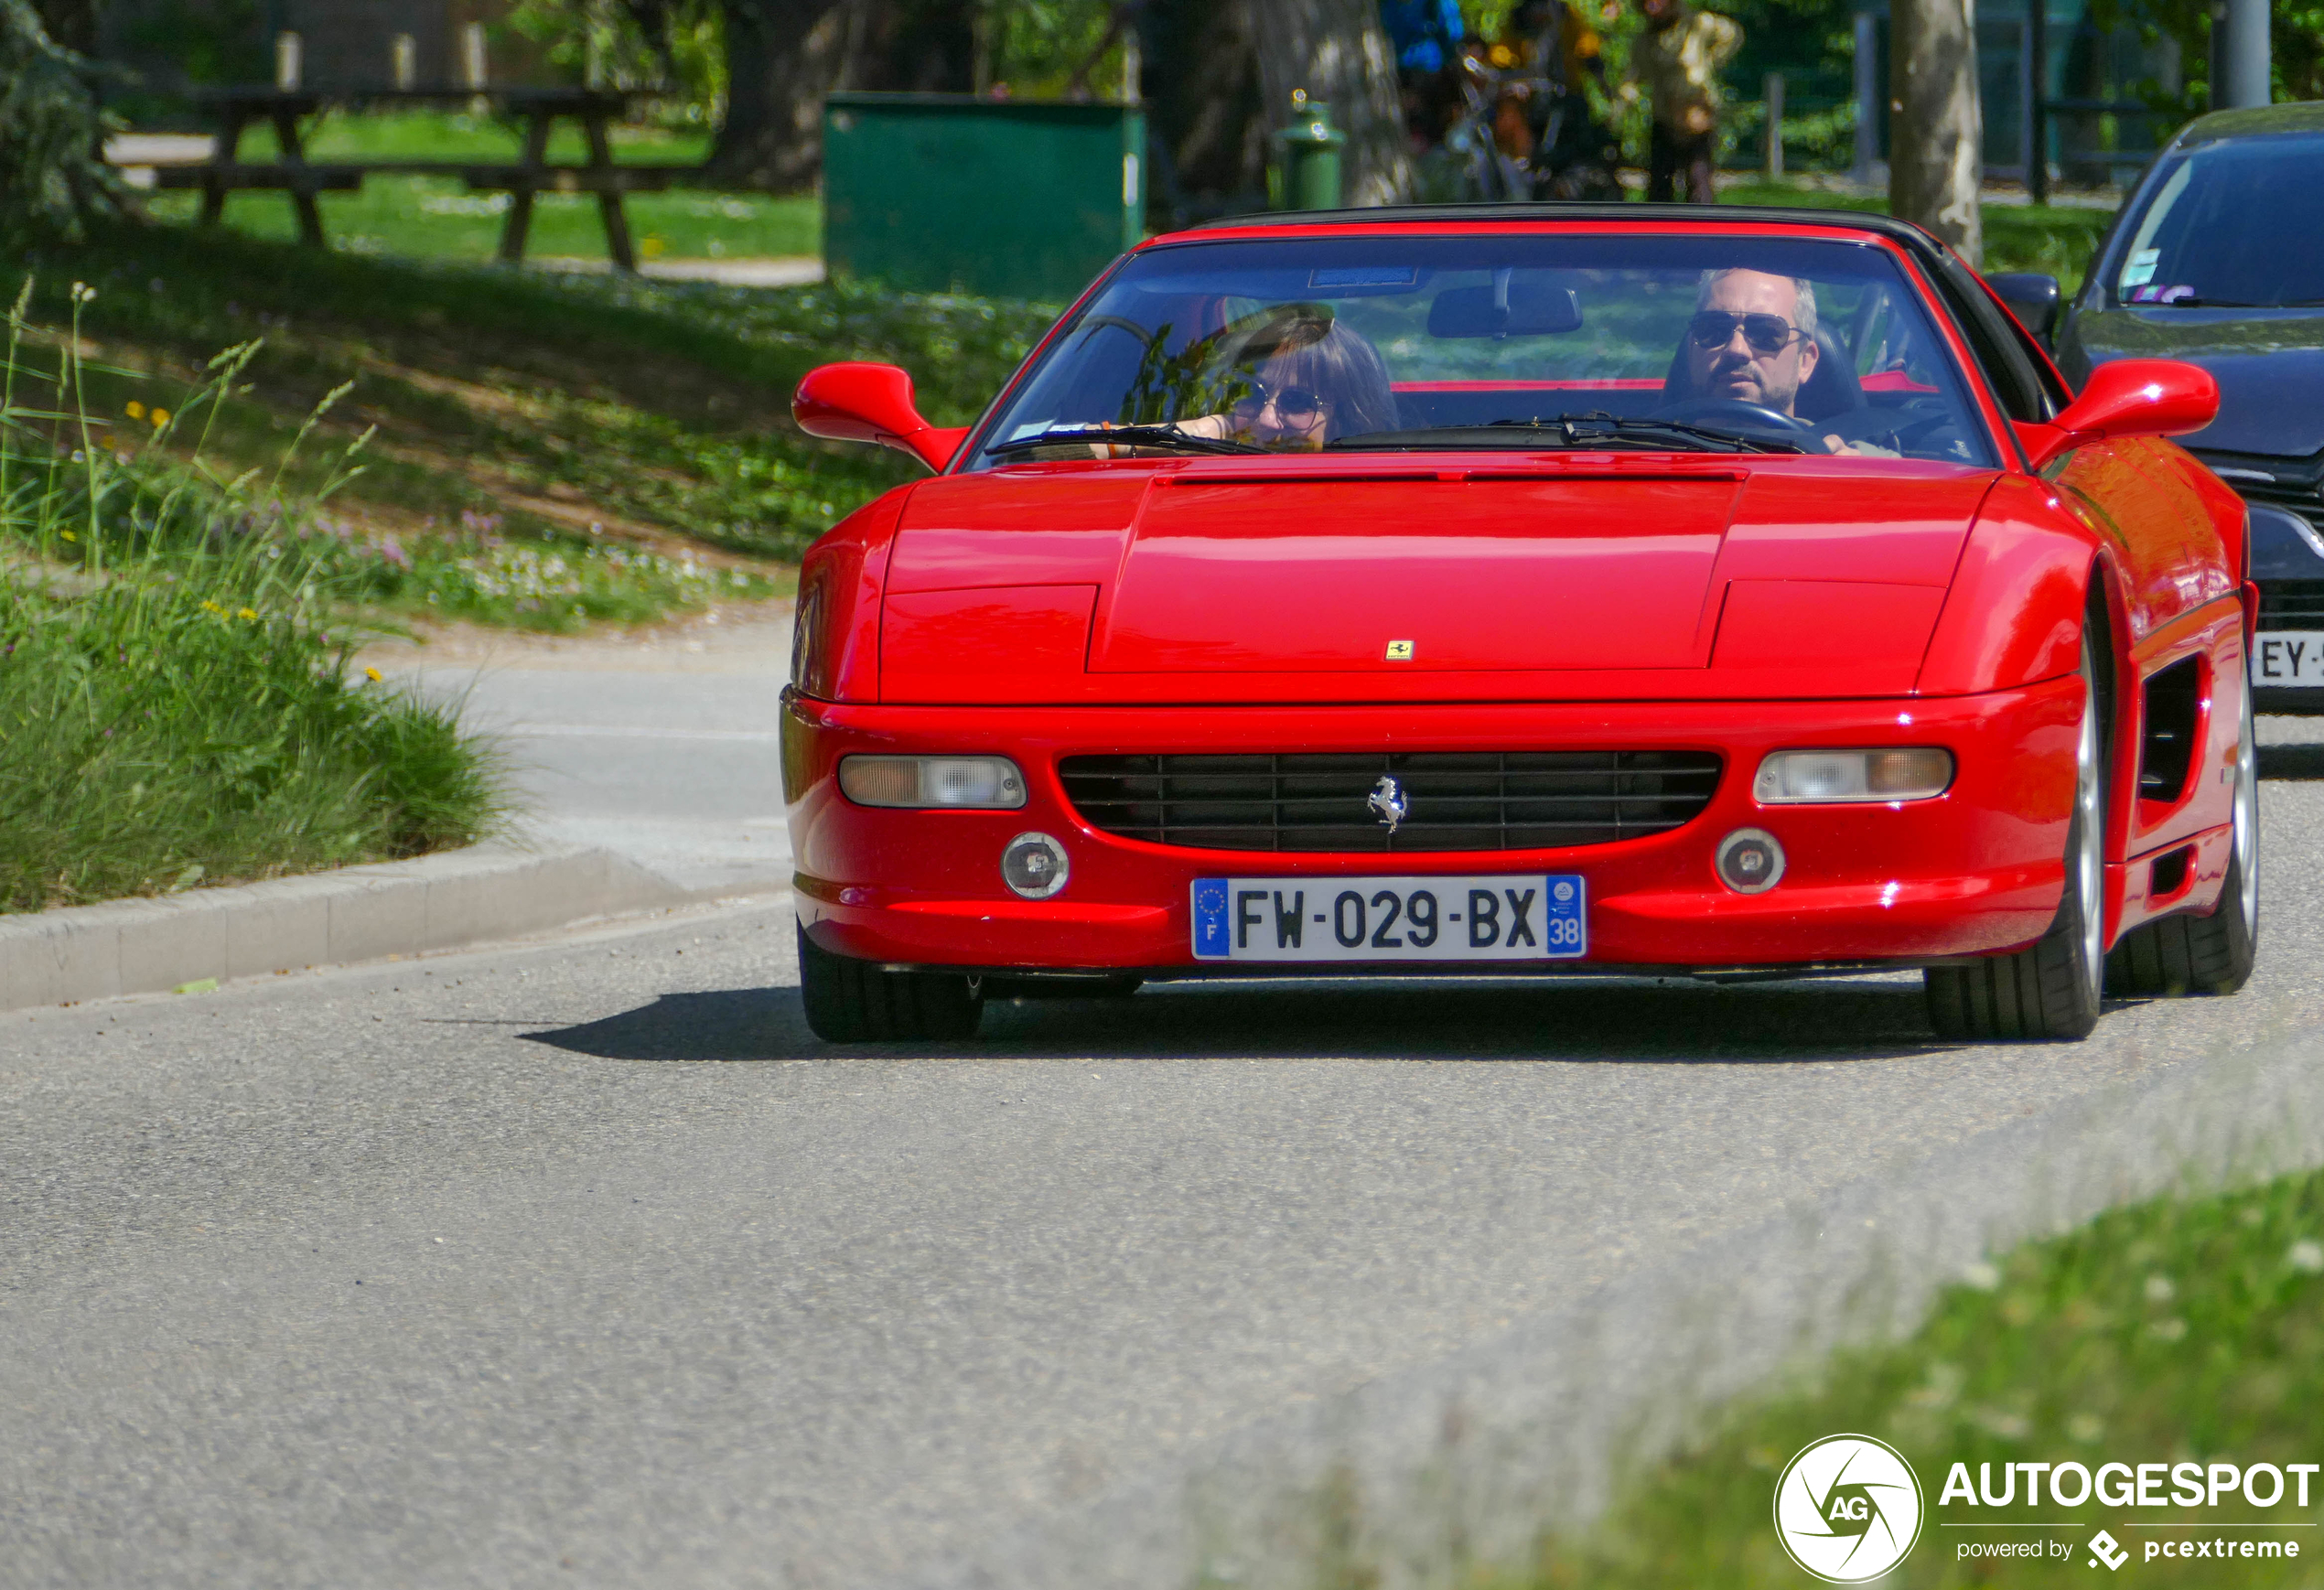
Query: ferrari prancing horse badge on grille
[{"x": 1388, "y": 801}]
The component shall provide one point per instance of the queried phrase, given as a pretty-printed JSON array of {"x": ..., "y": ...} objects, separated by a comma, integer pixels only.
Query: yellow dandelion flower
[
  {"x": 372, "y": 674},
  {"x": 135, "y": 411},
  {"x": 160, "y": 418},
  {"x": 249, "y": 615}
]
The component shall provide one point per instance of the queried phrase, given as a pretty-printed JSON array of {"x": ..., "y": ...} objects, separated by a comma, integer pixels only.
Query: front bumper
[
  {"x": 1976, "y": 870},
  {"x": 2287, "y": 566}
]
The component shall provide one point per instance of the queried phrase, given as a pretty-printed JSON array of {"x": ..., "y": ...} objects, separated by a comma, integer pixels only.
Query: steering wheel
[{"x": 1736, "y": 411}]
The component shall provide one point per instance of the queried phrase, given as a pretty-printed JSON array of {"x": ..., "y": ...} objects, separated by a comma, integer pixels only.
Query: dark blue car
[{"x": 2218, "y": 258}]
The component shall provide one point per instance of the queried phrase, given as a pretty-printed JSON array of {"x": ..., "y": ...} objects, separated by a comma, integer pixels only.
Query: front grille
[
  {"x": 1455, "y": 800},
  {"x": 2294, "y": 483},
  {"x": 2291, "y": 604}
]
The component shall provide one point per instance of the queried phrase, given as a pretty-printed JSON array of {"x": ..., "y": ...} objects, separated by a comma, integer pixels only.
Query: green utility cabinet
[{"x": 941, "y": 192}]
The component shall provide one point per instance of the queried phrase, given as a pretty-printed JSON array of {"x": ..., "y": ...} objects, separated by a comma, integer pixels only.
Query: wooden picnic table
[{"x": 236, "y": 110}]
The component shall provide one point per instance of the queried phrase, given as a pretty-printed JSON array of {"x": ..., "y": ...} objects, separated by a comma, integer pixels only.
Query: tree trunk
[
  {"x": 1206, "y": 124},
  {"x": 1337, "y": 50},
  {"x": 1936, "y": 142},
  {"x": 783, "y": 58}
]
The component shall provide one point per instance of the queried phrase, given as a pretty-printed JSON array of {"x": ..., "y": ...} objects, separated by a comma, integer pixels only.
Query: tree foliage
[
  {"x": 2296, "y": 29},
  {"x": 52, "y": 174}
]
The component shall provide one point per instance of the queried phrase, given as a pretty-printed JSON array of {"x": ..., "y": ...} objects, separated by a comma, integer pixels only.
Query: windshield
[
  {"x": 2239, "y": 223},
  {"x": 1403, "y": 343}
]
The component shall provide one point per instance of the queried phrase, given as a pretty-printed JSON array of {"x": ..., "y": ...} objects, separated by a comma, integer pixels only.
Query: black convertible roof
[
  {"x": 1691, "y": 214},
  {"x": 1916, "y": 240}
]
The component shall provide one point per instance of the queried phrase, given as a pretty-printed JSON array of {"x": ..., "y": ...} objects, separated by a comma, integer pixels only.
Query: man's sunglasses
[
  {"x": 1295, "y": 405},
  {"x": 1765, "y": 333}
]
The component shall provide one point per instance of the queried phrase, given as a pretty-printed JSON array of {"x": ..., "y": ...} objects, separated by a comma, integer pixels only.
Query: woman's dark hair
[{"x": 1335, "y": 362}]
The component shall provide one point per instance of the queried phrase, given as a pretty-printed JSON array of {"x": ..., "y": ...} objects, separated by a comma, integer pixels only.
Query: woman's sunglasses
[
  {"x": 1765, "y": 333},
  {"x": 1294, "y": 405}
]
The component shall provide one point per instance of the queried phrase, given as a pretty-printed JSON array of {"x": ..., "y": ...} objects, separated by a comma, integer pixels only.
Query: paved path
[
  {"x": 663, "y": 747},
  {"x": 582, "y": 1263}
]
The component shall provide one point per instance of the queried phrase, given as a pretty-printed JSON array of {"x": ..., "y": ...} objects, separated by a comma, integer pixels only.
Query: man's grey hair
[{"x": 1802, "y": 314}]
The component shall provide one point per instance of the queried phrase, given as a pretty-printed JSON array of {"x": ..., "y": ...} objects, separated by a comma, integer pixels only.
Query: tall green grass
[
  {"x": 175, "y": 708},
  {"x": 2180, "y": 1328}
]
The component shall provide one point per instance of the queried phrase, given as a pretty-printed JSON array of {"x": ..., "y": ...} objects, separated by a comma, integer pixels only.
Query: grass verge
[
  {"x": 622, "y": 429},
  {"x": 175, "y": 709},
  {"x": 2179, "y": 1329}
]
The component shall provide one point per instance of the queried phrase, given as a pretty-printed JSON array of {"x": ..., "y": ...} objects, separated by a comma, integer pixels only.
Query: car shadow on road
[
  {"x": 2291, "y": 761},
  {"x": 1643, "y": 1020}
]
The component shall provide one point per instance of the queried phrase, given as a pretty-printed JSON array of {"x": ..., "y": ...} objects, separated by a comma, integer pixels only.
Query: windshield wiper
[
  {"x": 1127, "y": 435},
  {"x": 1594, "y": 430}
]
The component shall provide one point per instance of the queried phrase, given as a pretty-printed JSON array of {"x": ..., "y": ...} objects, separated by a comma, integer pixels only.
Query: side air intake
[{"x": 2167, "y": 751}]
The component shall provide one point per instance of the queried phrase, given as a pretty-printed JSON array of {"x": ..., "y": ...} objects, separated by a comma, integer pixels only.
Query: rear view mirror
[
  {"x": 2032, "y": 298},
  {"x": 857, "y": 402},
  {"x": 1513, "y": 304},
  {"x": 2128, "y": 397}
]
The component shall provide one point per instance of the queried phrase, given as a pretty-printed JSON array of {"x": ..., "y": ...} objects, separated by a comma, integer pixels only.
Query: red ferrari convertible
[{"x": 1733, "y": 593}]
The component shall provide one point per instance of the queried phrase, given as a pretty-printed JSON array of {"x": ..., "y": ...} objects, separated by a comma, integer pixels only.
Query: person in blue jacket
[
  {"x": 1425, "y": 36},
  {"x": 1425, "y": 33}
]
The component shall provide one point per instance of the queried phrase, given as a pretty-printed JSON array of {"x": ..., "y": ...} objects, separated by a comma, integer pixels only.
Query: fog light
[
  {"x": 1909, "y": 773},
  {"x": 991, "y": 783},
  {"x": 1034, "y": 865},
  {"x": 1750, "y": 862}
]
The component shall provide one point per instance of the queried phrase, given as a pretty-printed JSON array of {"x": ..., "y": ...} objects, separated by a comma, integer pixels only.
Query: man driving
[{"x": 1752, "y": 340}]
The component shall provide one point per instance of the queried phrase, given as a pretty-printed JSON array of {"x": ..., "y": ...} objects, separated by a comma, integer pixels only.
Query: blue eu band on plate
[{"x": 1534, "y": 917}]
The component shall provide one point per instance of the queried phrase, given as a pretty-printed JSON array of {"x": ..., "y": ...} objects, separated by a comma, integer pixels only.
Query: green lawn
[{"x": 438, "y": 218}]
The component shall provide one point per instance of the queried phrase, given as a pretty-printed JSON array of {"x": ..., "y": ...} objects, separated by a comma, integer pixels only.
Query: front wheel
[
  {"x": 857, "y": 1001},
  {"x": 2212, "y": 954},
  {"x": 2048, "y": 991}
]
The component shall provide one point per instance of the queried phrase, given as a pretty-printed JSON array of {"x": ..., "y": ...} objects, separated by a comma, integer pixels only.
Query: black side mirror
[
  {"x": 1515, "y": 304},
  {"x": 2032, "y": 297}
]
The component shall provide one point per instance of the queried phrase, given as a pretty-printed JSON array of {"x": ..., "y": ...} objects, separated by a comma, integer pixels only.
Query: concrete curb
[{"x": 360, "y": 913}]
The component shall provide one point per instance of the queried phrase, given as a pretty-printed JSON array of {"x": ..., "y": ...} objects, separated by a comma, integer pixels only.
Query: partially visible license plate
[
  {"x": 2281, "y": 657},
  {"x": 1530, "y": 917}
]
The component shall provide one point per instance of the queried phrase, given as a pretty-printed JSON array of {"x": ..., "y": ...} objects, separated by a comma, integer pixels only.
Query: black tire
[
  {"x": 2213, "y": 954},
  {"x": 856, "y": 1001},
  {"x": 2050, "y": 991}
]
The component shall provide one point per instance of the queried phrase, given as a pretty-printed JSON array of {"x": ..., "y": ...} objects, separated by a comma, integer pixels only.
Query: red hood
[{"x": 1301, "y": 580}]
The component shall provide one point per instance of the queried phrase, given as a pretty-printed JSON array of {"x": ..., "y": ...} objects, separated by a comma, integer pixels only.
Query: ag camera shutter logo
[{"x": 1847, "y": 1508}]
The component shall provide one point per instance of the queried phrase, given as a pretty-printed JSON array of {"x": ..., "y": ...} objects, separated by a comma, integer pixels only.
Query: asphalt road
[
  {"x": 582, "y": 1263},
  {"x": 662, "y": 747}
]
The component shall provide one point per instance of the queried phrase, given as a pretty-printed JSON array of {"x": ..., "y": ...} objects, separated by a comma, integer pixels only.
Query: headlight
[
  {"x": 1916, "y": 773},
  {"x": 990, "y": 783}
]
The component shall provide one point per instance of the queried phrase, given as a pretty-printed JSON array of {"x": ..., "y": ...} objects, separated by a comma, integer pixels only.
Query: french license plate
[
  {"x": 2281, "y": 657},
  {"x": 1530, "y": 918}
]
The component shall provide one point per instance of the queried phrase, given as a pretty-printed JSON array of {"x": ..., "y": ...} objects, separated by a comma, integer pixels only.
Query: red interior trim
[{"x": 1603, "y": 384}]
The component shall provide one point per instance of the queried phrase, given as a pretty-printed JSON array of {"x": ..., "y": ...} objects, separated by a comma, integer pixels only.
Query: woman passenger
[{"x": 1310, "y": 380}]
